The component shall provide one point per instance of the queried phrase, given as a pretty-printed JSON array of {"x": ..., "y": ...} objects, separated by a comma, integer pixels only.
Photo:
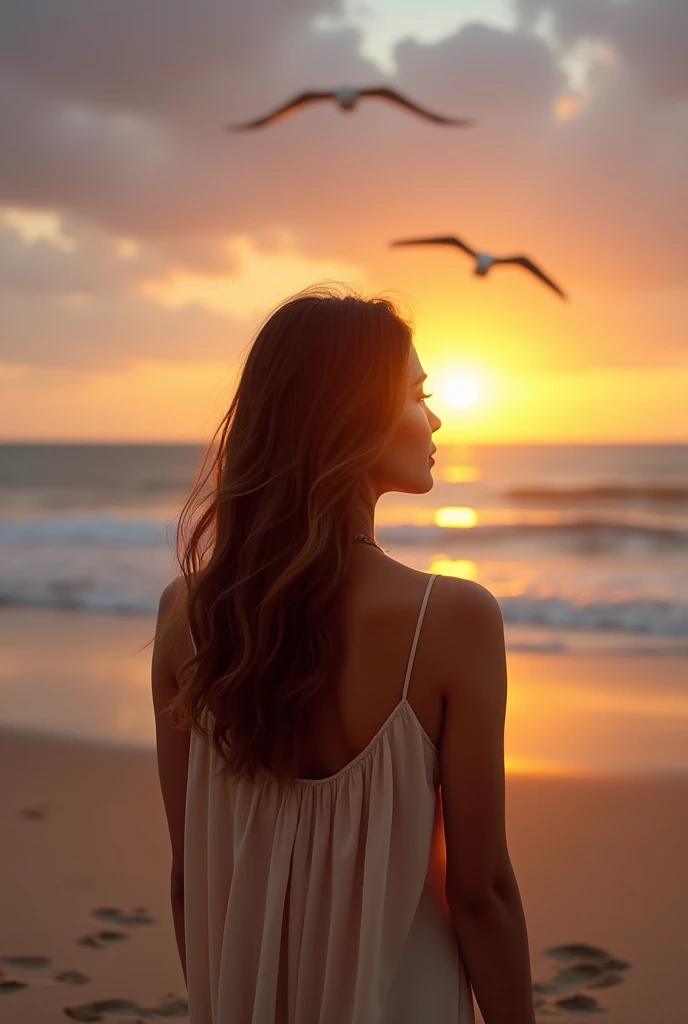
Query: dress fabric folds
[{"x": 322, "y": 902}]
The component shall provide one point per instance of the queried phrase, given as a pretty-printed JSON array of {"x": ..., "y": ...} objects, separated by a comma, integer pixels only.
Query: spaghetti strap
[
  {"x": 412, "y": 655},
  {"x": 193, "y": 642}
]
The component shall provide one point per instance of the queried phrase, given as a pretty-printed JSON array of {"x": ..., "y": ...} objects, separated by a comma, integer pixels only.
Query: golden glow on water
[
  {"x": 461, "y": 474},
  {"x": 566, "y": 714},
  {"x": 463, "y": 568},
  {"x": 508, "y": 588},
  {"x": 456, "y": 516},
  {"x": 606, "y": 700},
  {"x": 404, "y": 515},
  {"x": 533, "y": 766}
]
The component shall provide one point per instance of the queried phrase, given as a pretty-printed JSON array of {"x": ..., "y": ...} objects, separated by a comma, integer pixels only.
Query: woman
[{"x": 305, "y": 721}]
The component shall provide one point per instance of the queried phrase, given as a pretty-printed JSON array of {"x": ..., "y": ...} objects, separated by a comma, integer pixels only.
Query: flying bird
[
  {"x": 484, "y": 261},
  {"x": 347, "y": 97}
]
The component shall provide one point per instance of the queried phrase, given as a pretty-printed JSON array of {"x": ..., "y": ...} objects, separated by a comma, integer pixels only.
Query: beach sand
[
  {"x": 600, "y": 858},
  {"x": 599, "y": 861}
]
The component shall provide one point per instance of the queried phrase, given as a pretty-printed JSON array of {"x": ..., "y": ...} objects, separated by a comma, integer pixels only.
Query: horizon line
[{"x": 134, "y": 443}]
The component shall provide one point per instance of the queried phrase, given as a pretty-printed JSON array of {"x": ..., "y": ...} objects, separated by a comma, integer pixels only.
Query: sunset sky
[{"x": 140, "y": 246}]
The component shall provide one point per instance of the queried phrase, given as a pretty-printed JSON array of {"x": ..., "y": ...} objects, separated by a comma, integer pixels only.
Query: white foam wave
[
  {"x": 101, "y": 530},
  {"x": 652, "y": 618},
  {"x": 110, "y": 530}
]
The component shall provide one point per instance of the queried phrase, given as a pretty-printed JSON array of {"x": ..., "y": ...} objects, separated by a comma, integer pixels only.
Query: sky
[{"x": 141, "y": 246}]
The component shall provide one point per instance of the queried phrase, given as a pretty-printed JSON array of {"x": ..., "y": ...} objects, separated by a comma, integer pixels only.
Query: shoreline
[{"x": 87, "y": 677}]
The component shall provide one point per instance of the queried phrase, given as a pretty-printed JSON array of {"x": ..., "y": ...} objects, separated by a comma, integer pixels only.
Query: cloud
[
  {"x": 262, "y": 279},
  {"x": 72, "y": 330},
  {"x": 34, "y": 225},
  {"x": 111, "y": 119},
  {"x": 162, "y": 58},
  {"x": 650, "y": 36}
]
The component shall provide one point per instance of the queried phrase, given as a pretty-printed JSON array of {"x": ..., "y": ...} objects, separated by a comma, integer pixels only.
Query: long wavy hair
[{"x": 265, "y": 538}]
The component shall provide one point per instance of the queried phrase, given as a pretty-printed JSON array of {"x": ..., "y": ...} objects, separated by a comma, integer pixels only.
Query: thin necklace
[{"x": 368, "y": 540}]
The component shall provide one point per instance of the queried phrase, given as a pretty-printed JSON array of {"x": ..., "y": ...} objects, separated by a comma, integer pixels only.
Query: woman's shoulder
[
  {"x": 172, "y": 629},
  {"x": 467, "y": 598},
  {"x": 463, "y": 622},
  {"x": 173, "y": 597},
  {"x": 454, "y": 596},
  {"x": 461, "y": 615}
]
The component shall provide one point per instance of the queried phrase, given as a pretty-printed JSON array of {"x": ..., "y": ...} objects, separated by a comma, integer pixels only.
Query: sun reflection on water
[
  {"x": 463, "y": 568},
  {"x": 461, "y": 517},
  {"x": 461, "y": 474}
]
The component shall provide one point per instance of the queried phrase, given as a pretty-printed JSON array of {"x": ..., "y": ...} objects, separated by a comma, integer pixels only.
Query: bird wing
[
  {"x": 403, "y": 101},
  {"x": 442, "y": 240},
  {"x": 527, "y": 264},
  {"x": 281, "y": 112}
]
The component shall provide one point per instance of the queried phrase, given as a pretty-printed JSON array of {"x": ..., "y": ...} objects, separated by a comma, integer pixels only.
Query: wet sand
[
  {"x": 600, "y": 860},
  {"x": 88, "y": 676}
]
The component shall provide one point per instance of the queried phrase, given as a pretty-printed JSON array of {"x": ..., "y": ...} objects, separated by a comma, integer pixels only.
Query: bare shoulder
[
  {"x": 467, "y": 630},
  {"x": 172, "y": 642},
  {"x": 467, "y": 602},
  {"x": 459, "y": 609},
  {"x": 173, "y": 599}
]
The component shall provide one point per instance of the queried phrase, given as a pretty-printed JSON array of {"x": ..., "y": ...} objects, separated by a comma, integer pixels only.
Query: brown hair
[{"x": 268, "y": 544}]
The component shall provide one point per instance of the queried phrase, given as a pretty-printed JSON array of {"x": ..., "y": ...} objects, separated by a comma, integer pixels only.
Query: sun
[{"x": 460, "y": 392}]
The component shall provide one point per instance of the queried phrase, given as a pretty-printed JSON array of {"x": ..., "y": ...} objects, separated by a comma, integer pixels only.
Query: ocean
[{"x": 584, "y": 546}]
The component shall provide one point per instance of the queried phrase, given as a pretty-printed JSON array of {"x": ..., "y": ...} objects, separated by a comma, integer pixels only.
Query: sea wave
[
  {"x": 119, "y": 531},
  {"x": 652, "y": 617},
  {"x": 660, "y": 618},
  {"x": 75, "y": 596},
  {"x": 586, "y": 534},
  {"x": 87, "y": 530},
  {"x": 647, "y": 492}
]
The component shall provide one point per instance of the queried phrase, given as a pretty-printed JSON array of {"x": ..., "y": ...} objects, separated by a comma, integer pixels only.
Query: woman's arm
[
  {"x": 172, "y": 644},
  {"x": 481, "y": 888}
]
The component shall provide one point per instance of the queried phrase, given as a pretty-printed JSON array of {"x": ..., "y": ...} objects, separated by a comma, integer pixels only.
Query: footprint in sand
[
  {"x": 38, "y": 967},
  {"x": 583, "y": 968},
  {"x": 26, "y": 963},
  {"x": 8, "y": 983},
  {"x": 102, "y": 1008},
  {"x": 580, "y": 1006},
  {"x": 11, "y": 985},
  {"x": 72, "y": 977},
  {"x": 13, "y": 967},
  {"x": 582, "y": 953},
  {"x": 101, "y": 939},
  {"x": 34, "y": 813},
  {"x": 170, "y": 1006},
  {"x": 114, "y": 916}
]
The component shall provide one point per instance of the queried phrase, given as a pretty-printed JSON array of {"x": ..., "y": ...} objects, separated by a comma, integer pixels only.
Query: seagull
[
  {"x": 484, "y": 260},
  {"x": 347, "y": 97}
]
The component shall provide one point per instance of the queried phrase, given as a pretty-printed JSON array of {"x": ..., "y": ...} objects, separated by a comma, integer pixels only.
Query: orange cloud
[{"x": 259, "y": 281}]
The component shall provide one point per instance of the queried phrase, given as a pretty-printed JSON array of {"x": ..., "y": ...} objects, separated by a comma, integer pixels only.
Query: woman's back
[
  {"x": 378, "y": 613},
  {"x": 324, "y": 900}
]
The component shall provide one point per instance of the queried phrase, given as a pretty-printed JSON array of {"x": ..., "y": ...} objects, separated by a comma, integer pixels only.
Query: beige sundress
[{"x": 323, "y": 904}]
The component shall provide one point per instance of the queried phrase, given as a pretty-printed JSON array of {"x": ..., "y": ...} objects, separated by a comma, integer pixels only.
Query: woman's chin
[
  {"x": 420, "y": 485},
  {"x": 427, "y": 485}
]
